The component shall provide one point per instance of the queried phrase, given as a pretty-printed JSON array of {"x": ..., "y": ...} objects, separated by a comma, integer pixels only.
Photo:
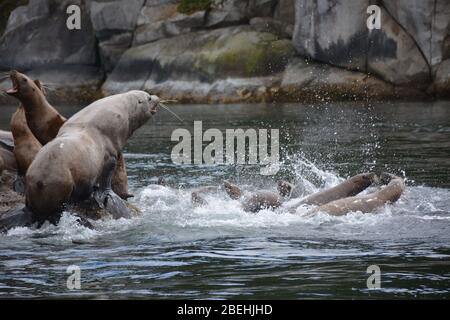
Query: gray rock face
[
  {"x": 21, "y": 15},
  {"x": 285, "y": 14},
  {"x": 393, "y": 54},
  {"x": 442, "y": 80},
  {"x": 227, "y": 12},
  {"x": 46, "y": 41},
  {"x": 165, "y": 22},
  {"x": 335, "y": 32},
  {"x": 125, "y": 13},
  {"x": 427, "y": 21},
  {"x": 332, "y": 31},
  {"x": 309, "y": 80},
  {"x": 232, "y": 12},
  {"x": 111, "y": 50},
  {"x": 205, "y": 56}
]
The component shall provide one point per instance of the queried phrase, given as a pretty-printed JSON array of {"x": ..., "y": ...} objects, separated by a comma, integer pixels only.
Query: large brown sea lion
[
  {"x": 255, "y": 201},
  {"x": 42, "y": 118},
  {"x": 366, "y": 203},
  {"x": 45, "y": 121},
  {"x": 348, "y": 188},
  {"x": 83, "y": 156}
]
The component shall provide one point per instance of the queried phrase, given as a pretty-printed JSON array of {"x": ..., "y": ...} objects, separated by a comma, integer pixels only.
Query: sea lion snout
[{"x": 154, "y": 104}]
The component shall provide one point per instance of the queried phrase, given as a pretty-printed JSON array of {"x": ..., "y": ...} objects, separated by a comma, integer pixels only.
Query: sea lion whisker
[
  {"x": 165, "y": 101},
  {"x": 173, "y": 113}
]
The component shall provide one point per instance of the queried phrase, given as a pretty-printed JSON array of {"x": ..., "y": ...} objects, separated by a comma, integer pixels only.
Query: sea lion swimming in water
[
  {"x": 271, "y": 200},
  {"x": 45, "y": 121},
  {"x": 366, "y": 203},
  {"x": 80, "y": 161}
]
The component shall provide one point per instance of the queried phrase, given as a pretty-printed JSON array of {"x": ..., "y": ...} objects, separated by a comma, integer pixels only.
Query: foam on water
[{"x": 169, "y": 210}]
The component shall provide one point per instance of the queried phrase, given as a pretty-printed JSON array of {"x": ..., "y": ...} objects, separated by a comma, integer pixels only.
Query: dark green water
[{"x": 220, "y": 251}]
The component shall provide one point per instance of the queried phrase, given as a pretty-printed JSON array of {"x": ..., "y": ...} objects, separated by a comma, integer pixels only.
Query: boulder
[
  {"x": 441, "y": 85},
  {"x": 285, "y": 14},
  {"x": 46, "y": 41},
  {"x": 178, "y": 24},
  {"x": 111, "y": 50},
  {"x": 306, "y": 80},
  {"x": 205, "y": 56},
  {"x": 393, "y": 54},
  {"x": 124, "y": 12},
  {"x": 332, "y": 31},
  {"x": 23, "y": 14},
  {"x": 232, "y": 90},
  {"x": 427, "y": 21},
  {"x": 227, "y": 12}
]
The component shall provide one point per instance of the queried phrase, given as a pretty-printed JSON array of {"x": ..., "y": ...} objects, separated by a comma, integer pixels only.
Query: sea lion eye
[{"x": 24, "y": 80}]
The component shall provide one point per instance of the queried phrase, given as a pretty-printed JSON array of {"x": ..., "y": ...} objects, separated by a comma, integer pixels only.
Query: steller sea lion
[
  {"x": 45, "y": 121},
  {"x": 255, "y": 201},
  {"x": 267, "y": 199},
  {"x": 42, "y": 118},
  {"x": 366, "y": 203},
  {"x": 348, "y": 188},
  {"x": 81, "y": 159}
]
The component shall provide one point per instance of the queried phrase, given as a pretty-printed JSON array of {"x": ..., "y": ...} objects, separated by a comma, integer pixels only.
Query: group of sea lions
[
  {"x": 338, "y": 200},
  {"x": 61, "y": 162}
]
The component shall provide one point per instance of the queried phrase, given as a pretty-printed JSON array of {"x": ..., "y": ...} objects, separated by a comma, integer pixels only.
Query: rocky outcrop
[
  {"x": 393, "y": 55},
  {"x": 204, "y": 56},
  {"x": 44, "y": 40},
  {"x": 335, "y": 32},
  {"x": 231, "y": 50},
  {"x": 426, "y": 21},
  {"x": 332, "y": 31},
  {"x": 441, "y": 85}
]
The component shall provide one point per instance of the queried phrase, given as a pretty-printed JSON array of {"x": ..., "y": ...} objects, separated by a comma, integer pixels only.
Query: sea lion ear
[{"x": 40, "y": 86}]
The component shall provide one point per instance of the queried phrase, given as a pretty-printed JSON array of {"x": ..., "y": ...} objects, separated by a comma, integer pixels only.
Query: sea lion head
[
  {"x": 363, "y": 180},
  {"x": 149, "y": 104},
  {"x": 24, "y": 88}
]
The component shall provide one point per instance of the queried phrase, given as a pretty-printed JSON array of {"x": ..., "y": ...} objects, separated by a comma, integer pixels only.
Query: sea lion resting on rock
[
  {"x": 366, "y": 203},
  {"x": 45, "y": 121},
  {"x": 271, "y": 200},
  {"x": 83, "y": 156}
]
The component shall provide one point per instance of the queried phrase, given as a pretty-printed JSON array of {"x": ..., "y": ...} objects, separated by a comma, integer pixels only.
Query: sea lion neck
[{"x": 35, "y": 104}]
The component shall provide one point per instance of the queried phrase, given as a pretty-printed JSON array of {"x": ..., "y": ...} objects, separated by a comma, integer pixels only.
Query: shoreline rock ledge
[{"x": 226, "y": 51}]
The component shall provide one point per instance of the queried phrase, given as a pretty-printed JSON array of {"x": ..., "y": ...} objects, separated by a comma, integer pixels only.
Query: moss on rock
[
  {"x": 191, "y": 6},
  {"x": 246, "y": 54}
]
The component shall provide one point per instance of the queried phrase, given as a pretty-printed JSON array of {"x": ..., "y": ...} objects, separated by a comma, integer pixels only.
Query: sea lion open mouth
[{"x": 15, "y": 89}]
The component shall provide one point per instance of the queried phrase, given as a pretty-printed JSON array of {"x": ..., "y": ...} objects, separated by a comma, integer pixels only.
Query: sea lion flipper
[{"x": 105, "y": 196}]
